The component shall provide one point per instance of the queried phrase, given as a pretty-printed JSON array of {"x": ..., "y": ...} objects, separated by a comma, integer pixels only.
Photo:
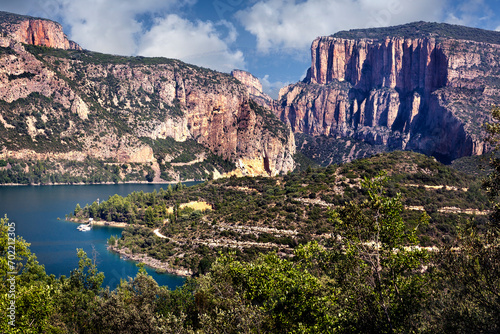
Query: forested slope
[{"x": 259, "y": 214}]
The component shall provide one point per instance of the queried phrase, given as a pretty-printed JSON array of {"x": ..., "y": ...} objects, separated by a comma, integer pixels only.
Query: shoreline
[
  {"x": 99, "y": 222},
  {"x": 153, "y": 263},
  {"x": 93, "y": 184},
  {"x": 126, "y": 254}
]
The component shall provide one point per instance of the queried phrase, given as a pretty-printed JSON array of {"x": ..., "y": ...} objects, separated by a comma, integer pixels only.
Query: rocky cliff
[
  {"x": 35, "y": 31},
  {"x": 420, "y": 86},
  {"x": 77, "y": 105},
  {"x": 254, "y": 88}
]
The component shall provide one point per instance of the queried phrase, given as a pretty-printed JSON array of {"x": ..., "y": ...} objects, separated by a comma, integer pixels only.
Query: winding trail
[{"x": 157, "y": 232}]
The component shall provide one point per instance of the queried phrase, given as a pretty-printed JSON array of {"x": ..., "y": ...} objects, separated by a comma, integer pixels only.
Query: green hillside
[
  {"x": 317, "y": 251},
  {"x": 251, "y": 215},
  {"x": 424, "y": 29},
  {"x": 325, "y": 150}
]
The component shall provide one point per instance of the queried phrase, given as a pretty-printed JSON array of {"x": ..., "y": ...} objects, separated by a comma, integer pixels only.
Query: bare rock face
[
  {"x": 249, "y": 80},
  {"x": 35, "y": 31},
  {"x": 427, "y": 94},
  {"x": 58, "y": 104},
  {"x": 254, "y": 88},
  {"x": 43, "y": 33}
]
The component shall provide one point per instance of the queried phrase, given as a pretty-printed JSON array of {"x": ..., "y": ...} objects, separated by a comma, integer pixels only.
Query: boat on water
[{"x": 85, "y": 227}]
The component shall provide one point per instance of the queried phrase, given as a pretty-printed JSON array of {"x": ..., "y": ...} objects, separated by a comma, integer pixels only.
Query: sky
[{"x": 269, "y": 38}]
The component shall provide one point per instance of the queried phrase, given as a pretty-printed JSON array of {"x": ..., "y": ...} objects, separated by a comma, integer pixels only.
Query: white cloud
[
  {"x": 498, "y": 28},
  {"x": 294, "y": 24},
  {"x": 272, "y": 88},
  {"x": 470, "y": 13},
  {"x": 198, "y": 42},
  {"x": 117, "y": 27},
  {"x": 110, "y": 26}
]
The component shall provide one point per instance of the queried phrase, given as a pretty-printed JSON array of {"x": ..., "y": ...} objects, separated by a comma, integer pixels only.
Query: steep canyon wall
[
  {"x": 426, "y": 94},
  {"x": 60, "y": 102}
]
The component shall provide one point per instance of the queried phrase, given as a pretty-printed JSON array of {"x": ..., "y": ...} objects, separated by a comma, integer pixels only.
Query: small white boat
[{"x": 85, "y": 227}]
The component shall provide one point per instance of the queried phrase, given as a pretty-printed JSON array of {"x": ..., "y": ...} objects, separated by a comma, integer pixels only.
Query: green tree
[
  {"x": 78, "y": 209},
  {"x": 77, "y": 300},
  {"x": 382, "y": 265},
  {"x": 130, "y": 308},
  {"x": 470, "y": 272},
  {"x": 150, "y": 216},
  {"x": 25, "y": 284},
  {"x": 492, "y": 182},
  {"x": 270, "y": 294},
  {"x": 169, "y": 191},
  {"x": 468, "y": 284}
]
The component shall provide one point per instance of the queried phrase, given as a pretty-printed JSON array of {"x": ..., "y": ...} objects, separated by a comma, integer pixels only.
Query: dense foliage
[
  {"x": 88, "y": 171},
  {"x": 252, "y": 215},
  {"x": 329, "y": 150},
  {"x": 424, "y": 29},
  {"x": 371, "y": 277}
]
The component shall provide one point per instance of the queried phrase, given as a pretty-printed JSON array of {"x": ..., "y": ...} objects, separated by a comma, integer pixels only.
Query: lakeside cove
[
  {"x": 98, "y": 222},
  {"x": 55, "y": 240},
  {"x": 159, "y": 266},
  {"x": 126, "y": 254}
]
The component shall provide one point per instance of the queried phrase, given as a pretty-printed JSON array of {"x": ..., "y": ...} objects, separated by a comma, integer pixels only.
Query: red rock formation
[
  {"x": 406, "y": 93},
  {"x": 254, "y": 88},
  {"x": 106, "y": 109},
  {"x": 45, "y": 33},
  {"x": 36, "y": 31}
]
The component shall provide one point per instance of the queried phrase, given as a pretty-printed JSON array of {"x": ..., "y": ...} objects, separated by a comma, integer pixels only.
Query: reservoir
[{"x": 39, "y": 214}]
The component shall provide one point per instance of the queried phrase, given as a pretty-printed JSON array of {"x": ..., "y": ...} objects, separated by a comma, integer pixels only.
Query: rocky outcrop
[
  {"x": 397, "y": 63},
  {"x": 34, "y": 31},
  {"x": 130, "y": 110},
  {"x": 254, "y": 88},
  {"x": 427, "y": 94},
  {"x": 43, "y": 33},
  {"x": 249, "y": 80}
]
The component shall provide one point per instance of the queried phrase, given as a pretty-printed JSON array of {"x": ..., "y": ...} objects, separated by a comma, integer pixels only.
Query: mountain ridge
[
  {"x": 71, "y": 104},
  {"x": 427, "y": 94},
  {"x": 35, "y": 31},
  {"x": 422, "y": 29}
]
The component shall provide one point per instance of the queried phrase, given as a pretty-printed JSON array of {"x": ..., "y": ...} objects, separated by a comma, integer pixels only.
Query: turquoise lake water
[{"x": 36, "y": 209}]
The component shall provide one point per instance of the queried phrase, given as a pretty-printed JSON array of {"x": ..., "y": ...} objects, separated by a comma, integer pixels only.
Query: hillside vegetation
[
  {"x": 251, "y": 215},
  {"x": 357, "y": 268},
  {"x": 330, "y": 150},
  {"x": 424, "y": 29}
]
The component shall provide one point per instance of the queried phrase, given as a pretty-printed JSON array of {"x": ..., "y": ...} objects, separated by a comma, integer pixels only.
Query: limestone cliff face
[
  {"x": 63, "y": 104},
  {"x": 396, "y": 63},
  {"x": 249, "y": 80},
  {"x": 254, "y": 88},
  {"x": 35, "y": 31},
  {"x": 425, "y": 94}
]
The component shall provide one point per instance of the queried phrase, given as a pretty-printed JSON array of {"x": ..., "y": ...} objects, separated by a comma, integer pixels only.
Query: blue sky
[{"x": 269, "y": 38}]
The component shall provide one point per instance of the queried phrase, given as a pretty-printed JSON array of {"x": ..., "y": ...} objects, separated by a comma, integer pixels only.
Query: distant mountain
[
  {"x": 35, "y": 31},
  {"x": 426, "y": 87},
  {"x": 143, "y": 118},
  {"x": 423, "y": 29}
]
